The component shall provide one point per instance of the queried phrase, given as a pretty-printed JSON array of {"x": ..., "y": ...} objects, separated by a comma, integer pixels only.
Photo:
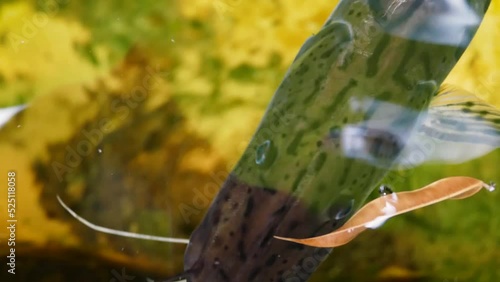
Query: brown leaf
[{"x": 376, "y": 212}]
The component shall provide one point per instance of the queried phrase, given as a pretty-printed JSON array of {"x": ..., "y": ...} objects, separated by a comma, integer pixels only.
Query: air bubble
[
  {"x": 491, "y": 187},
  {"x": 384, "y": 190},
  {"x": 262, "y": 151},
  {"x": 343, "y": 212}
]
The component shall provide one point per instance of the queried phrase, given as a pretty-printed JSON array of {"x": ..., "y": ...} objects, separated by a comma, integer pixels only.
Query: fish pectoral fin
[
  {"x": 460, "y": 116},
  {"x": 458, "y": 126},
  {"x": 340, "y": 31},
  {"x": 307, "y": 44}
]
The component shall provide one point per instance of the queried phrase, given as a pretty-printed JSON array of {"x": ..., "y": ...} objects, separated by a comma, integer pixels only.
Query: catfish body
[{"x": 369, "y": 62}]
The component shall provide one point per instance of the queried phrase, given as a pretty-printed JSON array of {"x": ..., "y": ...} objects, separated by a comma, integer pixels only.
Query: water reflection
[
  {"x": 438, "y": 22},
  {"x": 456, "y": 128}
]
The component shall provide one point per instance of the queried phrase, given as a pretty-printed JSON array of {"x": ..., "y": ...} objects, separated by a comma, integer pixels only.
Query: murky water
[{"x": 135, "y": 114}]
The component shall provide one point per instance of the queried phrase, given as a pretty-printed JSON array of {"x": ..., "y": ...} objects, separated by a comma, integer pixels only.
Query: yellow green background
[{"x": 215, "y": 66}]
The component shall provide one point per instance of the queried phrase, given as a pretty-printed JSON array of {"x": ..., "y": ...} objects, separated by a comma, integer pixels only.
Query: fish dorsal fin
[
  {"x": 460, "y": 116},
  {"x": 452, "y": 94},
  {"x": 458, "y": 126}
]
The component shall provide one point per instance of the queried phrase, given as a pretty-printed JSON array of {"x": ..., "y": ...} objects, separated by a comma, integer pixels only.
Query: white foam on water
[{"x": 377, "y": 222}]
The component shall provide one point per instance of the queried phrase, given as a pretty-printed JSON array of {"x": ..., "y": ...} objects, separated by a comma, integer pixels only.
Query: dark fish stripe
[
  {"x": 241, "y": 250},
  {"x": 372, "y": 62},
  {"x": 469, "y": 138},
  {"x": 271, "y": 260},
  {"x": 345, "y": 174},
  {"x": 254, "y": 274},
  {"x": 472, "y": 121},
  {"x": 302, "y": 70},
  {"x": 385, "y": 96},
  {"x": 468, "y": 129},
  {"x": 223, "y": 275},
  {"x": 299, "y": 177},
  {"x": 328, "y": 53},
  {"x": 268, "y": 237},
  {"x": 249, "y": 208},
  {"x": 459, "y": 136},
  {"x": 320, "y": 161},
  {"x": 452, "y": 109},
  {"x": 315, "y": 90},
  {"x": 399, "y": 74},
  {"x": 426, "y": 62},
  {"x": 454, "y": 123},
  {"x": 341, "y": 96},
  {"x": 269, "y": 190},
  {"x": 371, "y": 110},
  {"x": 292, "y": 148},
  {"x": 281, "y": 210},
  {"x": 308, "y": 44}
]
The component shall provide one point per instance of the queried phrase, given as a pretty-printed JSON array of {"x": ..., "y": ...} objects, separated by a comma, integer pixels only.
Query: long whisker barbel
[{"x": 119, "y": 232}]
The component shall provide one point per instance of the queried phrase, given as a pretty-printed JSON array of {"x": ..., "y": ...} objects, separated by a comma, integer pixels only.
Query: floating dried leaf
[{"x": 376, "y": 212}]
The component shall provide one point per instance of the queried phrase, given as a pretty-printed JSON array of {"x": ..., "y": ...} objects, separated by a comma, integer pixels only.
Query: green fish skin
[{"x": 294, "y": 179}]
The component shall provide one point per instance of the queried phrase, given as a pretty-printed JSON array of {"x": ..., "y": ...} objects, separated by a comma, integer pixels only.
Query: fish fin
[
  {"x": 332, "y": 27},
  {"x": 458, "y": 126},
  {"x": 460, "y": 116},
  {"x": 307, "y": 44}
]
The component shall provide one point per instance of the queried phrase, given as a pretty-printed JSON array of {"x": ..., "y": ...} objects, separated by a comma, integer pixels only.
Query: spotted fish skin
[
  {"x": 235, "y": 240},
  {"x": 294, "y": 180}
]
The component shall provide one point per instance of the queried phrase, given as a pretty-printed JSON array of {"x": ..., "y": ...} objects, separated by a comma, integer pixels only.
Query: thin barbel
[{"x": 119, "y": 232}]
